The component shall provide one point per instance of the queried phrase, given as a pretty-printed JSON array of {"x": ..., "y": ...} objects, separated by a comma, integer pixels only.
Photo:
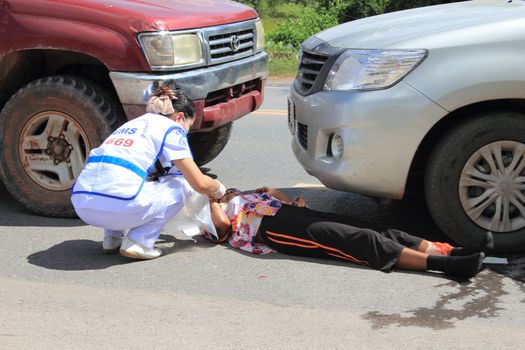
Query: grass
[
  {"x": 270, "y": 24},
  {"x": 288, "y": 10},
  {"x": 282, "y": 68},
  {"x": 283, "y": 64}
]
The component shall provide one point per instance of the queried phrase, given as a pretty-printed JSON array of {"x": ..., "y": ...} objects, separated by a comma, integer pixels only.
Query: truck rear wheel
[
  {"x": 206, "y": 146},
  {"x": 475, "y": 181},
  {"x": 47, "y": 130}
]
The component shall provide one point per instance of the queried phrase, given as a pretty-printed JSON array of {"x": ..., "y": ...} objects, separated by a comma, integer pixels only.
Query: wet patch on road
[
  {"x": 479, "y": 298},
  {"x": 515, "y": 270}
]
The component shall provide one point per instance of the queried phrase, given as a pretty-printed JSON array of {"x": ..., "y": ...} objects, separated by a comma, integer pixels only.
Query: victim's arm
[
  {"x": 220, "y": 221},
  {"x": 298, "y": 201}
]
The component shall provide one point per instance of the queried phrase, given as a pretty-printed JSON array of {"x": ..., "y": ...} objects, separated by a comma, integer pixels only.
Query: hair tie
[
  {"x": 165, "y": 91},
  {"x": 160, "y": 105}
]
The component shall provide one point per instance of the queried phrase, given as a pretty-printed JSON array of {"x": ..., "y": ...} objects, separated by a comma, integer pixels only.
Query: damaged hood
[{"x": 138, "y": 15}]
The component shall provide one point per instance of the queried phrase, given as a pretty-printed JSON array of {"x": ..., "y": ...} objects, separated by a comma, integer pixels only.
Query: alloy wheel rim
[
  {"x": 492, "y": 186},
  {"x": 53, "y": 149}
]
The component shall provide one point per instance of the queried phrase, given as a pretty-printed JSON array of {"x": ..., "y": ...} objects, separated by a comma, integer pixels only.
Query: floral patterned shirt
[{"x": 245, "y": 213}]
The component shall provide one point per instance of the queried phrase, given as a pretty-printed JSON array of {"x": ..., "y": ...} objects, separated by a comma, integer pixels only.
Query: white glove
[{"x": 219, "y": 193}]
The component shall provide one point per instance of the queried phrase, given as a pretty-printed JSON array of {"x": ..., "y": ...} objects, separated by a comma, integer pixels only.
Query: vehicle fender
[
  {"x": 118, "y": 49},
  {"x": 455, "y": 77}
]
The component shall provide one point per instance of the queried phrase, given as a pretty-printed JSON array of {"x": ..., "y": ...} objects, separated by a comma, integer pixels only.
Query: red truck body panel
[
  {"x": 102, "y": 28},
  {"x": 72, "y": 70},
  {"x": 213, "y": 116}
]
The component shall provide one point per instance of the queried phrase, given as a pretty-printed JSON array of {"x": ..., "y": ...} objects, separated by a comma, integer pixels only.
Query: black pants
[{"x": 306, "y": 232}]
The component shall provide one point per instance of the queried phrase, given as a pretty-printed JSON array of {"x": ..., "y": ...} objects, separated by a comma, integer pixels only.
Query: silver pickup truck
[{"x": 428, "y": 99}]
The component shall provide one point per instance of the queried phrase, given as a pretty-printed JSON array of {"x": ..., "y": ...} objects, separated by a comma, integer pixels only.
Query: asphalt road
[{"x": 57, "y": 290}]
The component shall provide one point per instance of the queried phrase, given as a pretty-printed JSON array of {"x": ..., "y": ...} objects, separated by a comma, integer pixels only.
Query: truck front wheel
[
  {"x": 475, "y": 181},
  {"x": 207, "y": 145},
  {"x": 47, "y": 130}
]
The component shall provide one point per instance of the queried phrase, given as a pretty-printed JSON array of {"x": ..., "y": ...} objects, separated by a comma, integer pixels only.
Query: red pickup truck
[{"x": 71, "y": 71}]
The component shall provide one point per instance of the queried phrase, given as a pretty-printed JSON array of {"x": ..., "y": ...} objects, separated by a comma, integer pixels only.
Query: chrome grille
[
  {"x": 309, "y": 68},
  {"x": 302, "y": 135},
  {"x": 223, "y": 45},
  {"x": 230, "y": 42}
]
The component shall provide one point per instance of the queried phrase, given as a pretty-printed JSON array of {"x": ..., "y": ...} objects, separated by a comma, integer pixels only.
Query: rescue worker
[{"x": 113, "y": 191}]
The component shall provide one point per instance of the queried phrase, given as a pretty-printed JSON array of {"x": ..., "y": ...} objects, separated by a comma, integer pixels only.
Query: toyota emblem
[{"x": 235, "y": 43}]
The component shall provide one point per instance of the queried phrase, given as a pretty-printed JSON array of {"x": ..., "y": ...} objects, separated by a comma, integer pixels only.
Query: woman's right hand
[
  {"x": 197, "y": 180},
  {"x": 220, "y": 192}
]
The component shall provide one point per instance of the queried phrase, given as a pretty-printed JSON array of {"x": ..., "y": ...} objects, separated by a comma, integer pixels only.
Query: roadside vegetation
[{"x": 288, "y": 23}]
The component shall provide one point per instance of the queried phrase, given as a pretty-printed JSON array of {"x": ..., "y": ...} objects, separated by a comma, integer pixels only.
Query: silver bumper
[
  {"x": 381, "y": 131},
  {"x": 197, "y": 83}
]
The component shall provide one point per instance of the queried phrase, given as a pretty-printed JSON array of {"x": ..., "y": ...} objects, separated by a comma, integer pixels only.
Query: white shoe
[
  {"x": 111, "y": 245},
  {"x": 134, "y": 250}
]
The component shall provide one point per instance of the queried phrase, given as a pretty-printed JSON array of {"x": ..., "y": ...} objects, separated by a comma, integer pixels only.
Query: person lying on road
[{"x": 267, "y": 220}]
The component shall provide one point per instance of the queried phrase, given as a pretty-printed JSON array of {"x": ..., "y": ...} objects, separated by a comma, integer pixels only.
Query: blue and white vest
[{"x": 118, "y": 168}]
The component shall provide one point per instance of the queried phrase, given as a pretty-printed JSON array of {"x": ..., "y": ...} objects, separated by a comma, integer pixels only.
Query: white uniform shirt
[{"x": 114, "y": 177}]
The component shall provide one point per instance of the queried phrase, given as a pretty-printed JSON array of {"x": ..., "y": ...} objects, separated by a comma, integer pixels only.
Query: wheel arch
[
  {"x": 21, "y": 67},
  {"x": 86, "y": 105},
  {"x": 415, "y": 179}
]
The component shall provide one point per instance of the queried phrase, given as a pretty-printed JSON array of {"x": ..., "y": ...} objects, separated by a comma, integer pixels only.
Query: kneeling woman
[
  {"x": 113, "y": 191},
  {"x": 267, "y": 221}
]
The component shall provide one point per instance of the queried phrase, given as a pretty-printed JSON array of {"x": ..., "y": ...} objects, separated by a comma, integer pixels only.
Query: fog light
[{"x": 337, "y": 146}]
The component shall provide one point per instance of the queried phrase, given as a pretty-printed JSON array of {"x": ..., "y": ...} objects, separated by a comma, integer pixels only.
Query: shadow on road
[
  {"x": 75, "y": 255},
  {"x": 84, "y": 254},
  {"x": 410, "y": 216},
  {"x": 14, "y": 214}
]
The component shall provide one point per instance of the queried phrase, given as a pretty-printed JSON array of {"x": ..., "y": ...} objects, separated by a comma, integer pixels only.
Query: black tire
[
  {"x": 443, "y": 192},
  {"x": 206, "y": 146},
  {"x": 73, "y": 116}
]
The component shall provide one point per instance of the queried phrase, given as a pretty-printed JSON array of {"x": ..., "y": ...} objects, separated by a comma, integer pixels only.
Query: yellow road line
[{"x": 271, "y": 112}]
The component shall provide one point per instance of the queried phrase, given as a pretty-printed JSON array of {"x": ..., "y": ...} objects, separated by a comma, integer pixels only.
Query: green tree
[
  {"x": 348, "y": 10},
  {"x": 293, "y": 32},
  {"x": 263, "y": 7}
]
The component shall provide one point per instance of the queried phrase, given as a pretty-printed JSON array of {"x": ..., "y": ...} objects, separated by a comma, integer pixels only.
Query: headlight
[
  {"x": 165, "y": 49},
  {"x": 259, "y": 29},
  {"x": 371, "y": 69}
]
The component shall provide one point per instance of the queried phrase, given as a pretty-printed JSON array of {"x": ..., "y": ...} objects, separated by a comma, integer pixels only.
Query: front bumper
[
  {"x": 199, "y": 84},
  {"x": 381, "y": 131}
]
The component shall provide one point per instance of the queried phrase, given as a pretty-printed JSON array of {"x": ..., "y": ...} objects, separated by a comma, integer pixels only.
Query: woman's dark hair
[
  {"x": 180, "y": 101},
  {"x": 184, "y": 104}
]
